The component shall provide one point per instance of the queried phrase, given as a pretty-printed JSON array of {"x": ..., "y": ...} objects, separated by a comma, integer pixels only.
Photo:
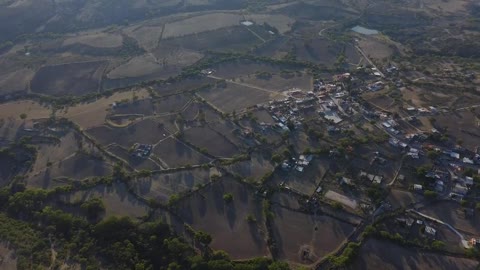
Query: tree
[
  {"x": 23, "y": 116},
  {"x": 438, "y": 244},
  {"x": 203, "y": 237},
  {"x": 278, "y": 266},
  {"x": 429, "y": 194},
  {"x": 228, "y": 197},
  {"x": 93, "y": 207}
]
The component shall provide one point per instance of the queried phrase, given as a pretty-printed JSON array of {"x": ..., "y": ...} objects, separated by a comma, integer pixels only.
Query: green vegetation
[
  {"x": 347, "y": 256},
  {"x": 228, "y": 197},
  {"x": 93, "y": 207}
]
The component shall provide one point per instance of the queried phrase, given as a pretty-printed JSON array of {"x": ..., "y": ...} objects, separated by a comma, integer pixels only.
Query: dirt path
[{"x": 368, "y": 59}]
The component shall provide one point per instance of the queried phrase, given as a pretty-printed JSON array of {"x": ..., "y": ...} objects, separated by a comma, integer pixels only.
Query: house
[
  {"x": 468, "y": 181},
  {"x": 430, "y": 231},
  {"x": 454, "y": 155},
  {"x": 346, "y": 181},
  {"x": 439, "y": 186},
  {"x": 467, "y": 160},
  {"x": 460, "y": 190}
]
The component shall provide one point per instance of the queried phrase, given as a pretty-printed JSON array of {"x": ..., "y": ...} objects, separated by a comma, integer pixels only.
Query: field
[
  {"x": 207, "y": 210},
  {"x": 279, "y": 83},
  {"x": 177, "y": 154},
  {"x": 99, "y": 40},
  {"x": 242, "y": 68},
  {"x": 297, "y": 233},
  {"x": 55, "y": 153},
  {"x": 134, "y": 161},
  {"x": 236, "y": 97},
  {"x": 202, "y": 23},
  {"x": 93, "y": 114},
  {"x": 211, "y": 141},
  {"x": 281, "y": 22},
  {"x": 378, "y": 254},
  {"x": 286, "y": 199},
  {"x": 451, "y": 212},
  {"x": 15, "y": 81},
  {"x": 32, "y": 109},
  {"x": 462, "y": 126},
  {"x": 186, "y": 85},
  {"x": 150, "y": 66},
  {"x": 68, "y": 79},
  {"x": 229, "y": 130},
  {"x": 171, "y": 104},
  {"x": 252, "y": 169},
  {"x": 161, "y": 186},
  {"x": 143, "y": 107},
  {"x": 341, "y": 198},
  {"x": 400, "y": 198},
  {"x": 233, "y": 39},
  {"x": 305, "y": 182},
  {"x": 117, "y": 200},
  {"x": 375, "y": 47},
  {"x": 147, "y": 36},
  {"x": 145, "y": 132},
  {"x": 76, "y": 167},
  {"x": 380, "y": 100}
]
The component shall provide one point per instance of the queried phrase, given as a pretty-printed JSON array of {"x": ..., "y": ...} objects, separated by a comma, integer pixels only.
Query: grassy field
[
  {"x": 200, "y": 24},
  {"x": 377, "y": 254},
  {"x": 145, "y": 132},
  {"x": 296, "y": 233},
  {"x": 279, "y": 83},
  {"x": 230, "y": 39},
  {"x": 177, "y": 154},
  {"x": 235, "y": 97},
  {"x": 171, "y": 104},
  {"x": 206, "y": 138},
  {"x": 117, "y": 200},
  {"x": 99, "y": 40},
  {"x": 76, "y": 167},
  {"x": 226, "y": 221},
  {"x": 16, "y": 81},
  {"x": 136, "y": 162},
  {"x": 253, "y": 169},
  {"x": 68, "y": 79},
  {"x": 161, "y": 186},
  {"x": 93, "y": 114}
]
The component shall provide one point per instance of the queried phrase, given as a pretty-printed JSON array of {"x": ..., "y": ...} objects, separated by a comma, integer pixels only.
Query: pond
[{"x": 365, "y": 31}]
